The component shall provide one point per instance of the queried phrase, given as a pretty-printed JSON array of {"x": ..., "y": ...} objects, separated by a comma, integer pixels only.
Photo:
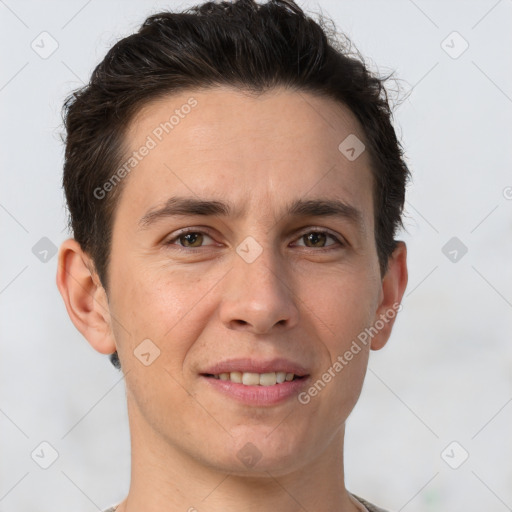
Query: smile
[{"x": 256, "y": 379}]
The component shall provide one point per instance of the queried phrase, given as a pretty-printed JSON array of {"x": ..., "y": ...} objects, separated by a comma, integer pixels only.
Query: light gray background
[{"x": 444, "y": 376}]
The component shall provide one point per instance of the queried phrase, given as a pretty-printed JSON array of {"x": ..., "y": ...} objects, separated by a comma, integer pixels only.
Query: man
[{"x": 234, "y": 185}]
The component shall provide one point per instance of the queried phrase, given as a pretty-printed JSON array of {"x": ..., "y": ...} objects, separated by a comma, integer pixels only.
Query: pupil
[
  {"x": 315, "y": 238},
  {"x": 192, "y": 238}
]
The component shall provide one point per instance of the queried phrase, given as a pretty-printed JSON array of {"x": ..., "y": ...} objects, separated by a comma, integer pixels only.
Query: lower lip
[{"x": 258, "y": 395}]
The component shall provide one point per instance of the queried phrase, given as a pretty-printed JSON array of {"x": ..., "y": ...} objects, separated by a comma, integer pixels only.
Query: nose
[{"x": 258, "y": 296}]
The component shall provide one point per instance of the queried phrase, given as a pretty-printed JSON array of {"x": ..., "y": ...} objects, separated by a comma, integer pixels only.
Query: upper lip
[{"x": 256, "y": 366}]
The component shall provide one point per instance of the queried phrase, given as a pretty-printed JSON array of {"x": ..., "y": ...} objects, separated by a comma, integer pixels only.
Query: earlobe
[
  {"x": 84, "y": 297},
  {"x": 392, "y": 291}
]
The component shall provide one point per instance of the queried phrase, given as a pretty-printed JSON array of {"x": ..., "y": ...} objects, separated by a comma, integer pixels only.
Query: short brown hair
[{"x": 243, "y": 44}]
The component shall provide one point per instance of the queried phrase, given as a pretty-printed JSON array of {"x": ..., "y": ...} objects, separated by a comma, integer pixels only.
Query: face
[{"x": 243, "y": 233}]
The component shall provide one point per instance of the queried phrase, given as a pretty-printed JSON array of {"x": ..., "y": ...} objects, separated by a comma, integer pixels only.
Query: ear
[
  {"x": 85, "y": 298},
  {"x": 392, "y": 290}
]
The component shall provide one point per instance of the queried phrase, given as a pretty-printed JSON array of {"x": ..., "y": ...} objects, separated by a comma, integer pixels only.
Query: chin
[{"x": 262, "y": 450}]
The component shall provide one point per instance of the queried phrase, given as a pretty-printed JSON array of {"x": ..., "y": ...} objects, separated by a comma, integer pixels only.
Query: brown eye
[
  {"x": 315, "y": 239},
  {"x": 191, "y": 239},
  {"x": 318, "y": 239}
]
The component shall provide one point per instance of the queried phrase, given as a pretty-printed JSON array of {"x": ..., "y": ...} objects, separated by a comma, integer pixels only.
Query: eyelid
[
  {"x": 205, "y": 231},
  {"x": 186, "y": 231},
  {"x": 338, "y": 238}
]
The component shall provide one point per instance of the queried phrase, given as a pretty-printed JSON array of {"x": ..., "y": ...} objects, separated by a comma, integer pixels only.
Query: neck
[{"x": 166, "y": 479}]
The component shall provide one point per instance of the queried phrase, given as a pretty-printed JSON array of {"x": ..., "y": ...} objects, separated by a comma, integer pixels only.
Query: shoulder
[{"x": 370, "y": 506}]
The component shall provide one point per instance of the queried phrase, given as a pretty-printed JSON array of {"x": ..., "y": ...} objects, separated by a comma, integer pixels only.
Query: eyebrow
[{"x": 188, "y": 206}]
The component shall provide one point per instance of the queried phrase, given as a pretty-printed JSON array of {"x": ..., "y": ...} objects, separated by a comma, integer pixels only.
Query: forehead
[{"x": 264, "y": 150}]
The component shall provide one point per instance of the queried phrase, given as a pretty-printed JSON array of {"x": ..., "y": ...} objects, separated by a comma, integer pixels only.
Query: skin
[{"x": 300, "y": 299}]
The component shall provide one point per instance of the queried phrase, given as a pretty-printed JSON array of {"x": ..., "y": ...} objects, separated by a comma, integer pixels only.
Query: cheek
[
  {"x": 340, "y": 306},
  {"x": 165, "y": 308},
  {"x": 343, "y": 303},
  {"x": 163, "y": 305}
]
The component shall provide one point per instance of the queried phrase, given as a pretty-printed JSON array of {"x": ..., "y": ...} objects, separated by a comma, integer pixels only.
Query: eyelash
[{"x": 187, "y": 231}]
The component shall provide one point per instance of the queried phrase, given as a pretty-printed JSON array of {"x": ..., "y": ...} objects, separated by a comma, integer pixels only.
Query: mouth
[
  {"x": 267, "y": 389},
  {"x": 256, "y": 379},
  {"x": 256, "y": 382}
]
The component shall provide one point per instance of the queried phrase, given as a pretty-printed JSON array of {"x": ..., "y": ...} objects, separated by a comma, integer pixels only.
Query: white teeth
[
  {"x": 235, "y": 377},
  {"x": 256, "y": 379},
  {"x": 268, "y": 379},
  {"x": 250, "y": 379},
  {"x": 280, "y": 377}
]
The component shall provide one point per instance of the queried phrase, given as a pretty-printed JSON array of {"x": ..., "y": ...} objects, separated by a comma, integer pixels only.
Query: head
[{"x": 272, "y": 143}]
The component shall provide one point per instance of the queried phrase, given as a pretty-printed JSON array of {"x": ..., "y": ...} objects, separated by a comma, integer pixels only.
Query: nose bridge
[
  {"x": 258, "y": 296},
  {"x": 260, "y": 268},
  {"x": 259, "y": 263}
]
